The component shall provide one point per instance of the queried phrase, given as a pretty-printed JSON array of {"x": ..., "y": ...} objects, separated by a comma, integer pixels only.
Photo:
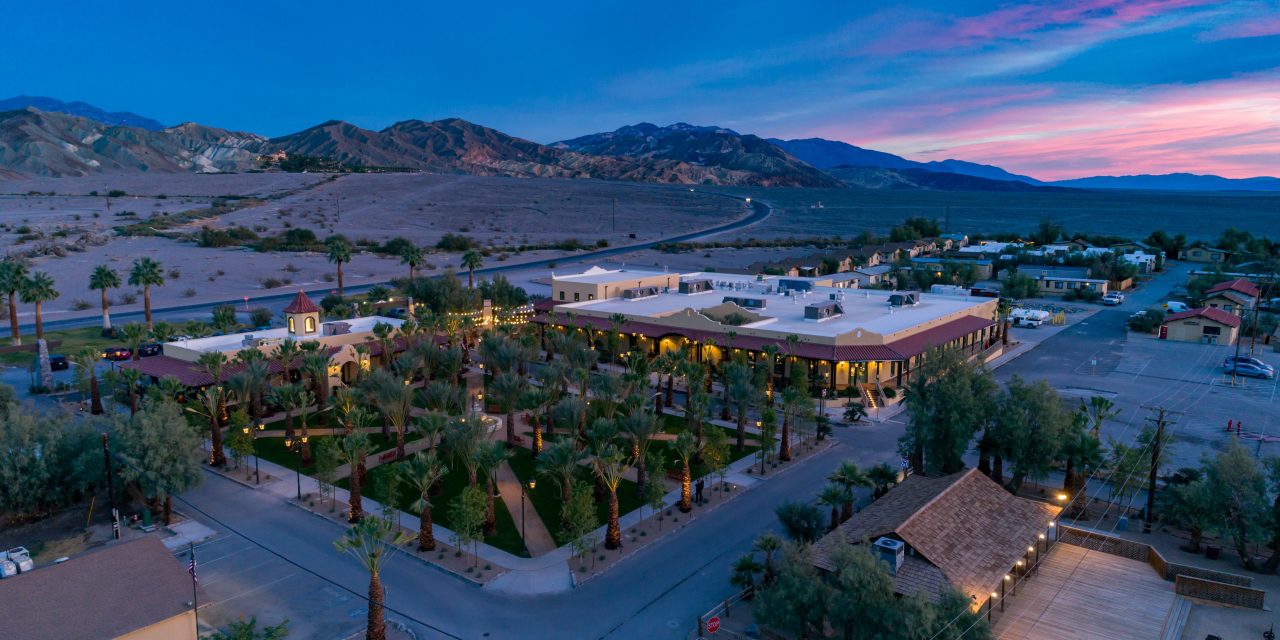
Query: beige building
[
  {"x": 132, "y": 590},
  {"x": 1057, "y": 281},
  {"x": 868, "y": 339},
  {"x": 1206, "y": 254},
  {"x": 597, "y": 283},
  {"x": 302, "y": 324},
  {"x": 1233, "y": 296},
  {"x": 1207, "y": 325}
]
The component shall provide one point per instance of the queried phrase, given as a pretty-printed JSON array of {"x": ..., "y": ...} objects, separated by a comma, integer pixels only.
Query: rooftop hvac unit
[
  {"x": 695, "y": 286},
  {"x": 904, "y": 299},
  {"x": 335, "y": 328},
  {"x": 891, "y": 551},
  {"x": 637, "y": 293}
]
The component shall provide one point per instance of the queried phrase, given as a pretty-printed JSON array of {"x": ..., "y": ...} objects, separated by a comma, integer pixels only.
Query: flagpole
[{"x": 195, "y": 602}]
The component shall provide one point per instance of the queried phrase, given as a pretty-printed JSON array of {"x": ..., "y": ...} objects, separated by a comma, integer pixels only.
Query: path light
[{"x": 1062, "y": 497}]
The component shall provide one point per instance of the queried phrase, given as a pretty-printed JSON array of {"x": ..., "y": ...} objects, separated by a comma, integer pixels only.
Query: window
[
  {"x": 1226, "y": 307},
  {"x": 1057, "y": 285},
  {"x": 562, "y": 295},
  {"x": 310, "y": 324},
  {"x": 292, "y": 328},
  {"x": 576, "y": 296},
  {"x": 1212, "y": 331},
  {"x": 1093, "y": 287},
  {"x": 591, "y": 296}
]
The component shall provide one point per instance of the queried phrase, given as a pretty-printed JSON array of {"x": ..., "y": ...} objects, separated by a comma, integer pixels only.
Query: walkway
[{"x": 537, "y": 540}]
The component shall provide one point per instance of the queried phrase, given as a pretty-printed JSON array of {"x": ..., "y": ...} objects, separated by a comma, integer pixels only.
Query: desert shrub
[
  {"x": 80, "y": 305},
  {"x": 330, "y": 302},
  {"x": 188, "y": 293},
  {"x": 116, "y": 193},
  {"x": 394, "y": 246},
  {"x": 261, "y": 317},
  {"x": 455, "y": 242},
  {"x": 128, "y": 298}
]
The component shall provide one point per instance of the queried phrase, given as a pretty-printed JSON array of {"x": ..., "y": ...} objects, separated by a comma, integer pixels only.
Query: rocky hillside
[
  {"x": 41, "y": 143},
  {"x": 82, "y": 109},
  {"x": 733, "y": 157},
  {"x": 917, "y": 179}
]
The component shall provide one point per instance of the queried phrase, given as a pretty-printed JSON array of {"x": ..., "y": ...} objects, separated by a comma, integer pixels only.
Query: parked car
[
  {"x": 7, "y": 569},
  {"x": 1112, "y": 299},
  {"x": 117, "y": 353},
  {"x": 58, "y": 363},
  {"x": 148, "y": 350},
  {"x": 1248, "y": 370},
  {"x": 1249, "y": 360},
  {"x": 395, "y": 312},
  {"x": 20, "y": 557},
  {"x": 1269, "y": 305},
  {"x": 1173, "y": 306}
]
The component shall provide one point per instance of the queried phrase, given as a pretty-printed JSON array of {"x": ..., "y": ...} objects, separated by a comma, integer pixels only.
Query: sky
[{"x": 1057, "y": 89}]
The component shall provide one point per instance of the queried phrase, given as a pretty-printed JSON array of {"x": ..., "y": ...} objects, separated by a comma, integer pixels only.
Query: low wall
[{"x": 1230, "y": 594}]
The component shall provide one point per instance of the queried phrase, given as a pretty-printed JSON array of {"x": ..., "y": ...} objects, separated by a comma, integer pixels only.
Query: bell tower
[{"x": 302, "y": 316}]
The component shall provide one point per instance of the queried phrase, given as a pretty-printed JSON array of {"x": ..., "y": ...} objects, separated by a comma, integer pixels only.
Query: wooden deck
[{"x": 1086, "y": 595}]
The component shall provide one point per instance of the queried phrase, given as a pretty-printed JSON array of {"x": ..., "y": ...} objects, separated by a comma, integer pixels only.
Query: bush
[
  {"x": 261, "y": 317},
  {"x": 233, "y": 237},
  {"x": 1146, "y": 322},
  {"x": 394, "y": 246},
  {"x": 455, "y": 242},
  {"x": 330, "y": 302},
  {"x": 116, "y": 193},
  {"x": 80, "y": 305},
  {"x": 802, "y": 522}
]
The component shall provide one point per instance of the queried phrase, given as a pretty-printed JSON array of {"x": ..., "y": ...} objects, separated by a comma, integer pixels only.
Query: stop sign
[{"x": 713, "y": 625}]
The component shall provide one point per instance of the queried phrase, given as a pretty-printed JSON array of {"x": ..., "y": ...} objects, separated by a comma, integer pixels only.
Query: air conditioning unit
[{"x": 891, "y": 551}]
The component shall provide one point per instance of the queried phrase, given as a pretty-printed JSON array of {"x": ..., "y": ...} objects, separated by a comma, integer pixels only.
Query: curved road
[{"x": 760, "y": 211}]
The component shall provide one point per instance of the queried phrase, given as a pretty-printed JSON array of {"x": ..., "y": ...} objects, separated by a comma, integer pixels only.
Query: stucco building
[{"x": 1207, "y": 325}]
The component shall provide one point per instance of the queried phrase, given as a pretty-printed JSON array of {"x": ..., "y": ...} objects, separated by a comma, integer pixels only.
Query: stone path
[{"x": 537, "y": 538}]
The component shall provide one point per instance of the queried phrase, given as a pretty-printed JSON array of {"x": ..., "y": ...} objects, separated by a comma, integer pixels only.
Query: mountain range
[{"x": 49, "y": 137}]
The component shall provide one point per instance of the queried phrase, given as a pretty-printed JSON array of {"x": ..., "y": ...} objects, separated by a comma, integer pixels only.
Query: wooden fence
[{"x": 1214, "y": 591}]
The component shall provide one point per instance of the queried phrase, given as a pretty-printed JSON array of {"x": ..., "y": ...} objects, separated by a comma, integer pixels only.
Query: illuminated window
[
  {"x": 292, "y": 328},
  {"x": 575, "y": 296}
]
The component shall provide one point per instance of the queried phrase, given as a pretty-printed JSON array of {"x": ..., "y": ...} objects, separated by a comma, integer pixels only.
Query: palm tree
[
  {"x": 353, "y": 448},
  {"x": 684, "y": 449},
  {"x": 422, "y": 472},
  {"x": 849, "y": 476},
  {"x": 744, "y": 573},
  {"x": 1099, "y": 410},
  {"x": 490, "y": 456},
  {"x": 38, "y": 290},
  {"x": 129, "y": 381},
  {"x": 134, "y": 335},
  {"x": 289, "y": 398},
  {"x": 13, "y": 275},
  {"x": 882, "y": 477},
  {"x": 560, "y": 463},
  {"x": 372, "y": 542},
  {"x": 771, "y": 362},
  {"x": 394, "y": 400},
  {"x": 834, "y": 495},
  {"x": 102, "y": 279},
  {"x": 213, "y": 363},
  {"x": 609, "y": 465},
  {"x": 315, "y": 365},
  {"x": 285, "y": 353},
  {"x": 464, "y": 439},
  {"x": 146, "y": 273},
  {"x": 471, "y": 261},
  {"x": 86, "y": 362},
  {"x": 338, "y": 252},
  {"x": 211, "y": 401},
  {"x": 768, "y": 544},
  {"x": 740, "y": 385},
  {"x": 640, "y": 427},
  {"x": 507, "y": 390}
]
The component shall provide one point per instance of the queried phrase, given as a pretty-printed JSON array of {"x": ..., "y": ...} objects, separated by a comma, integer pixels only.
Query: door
[{"x": 1164, "y": 332}]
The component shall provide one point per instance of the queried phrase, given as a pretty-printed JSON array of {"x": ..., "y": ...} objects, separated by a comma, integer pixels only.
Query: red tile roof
[
  {"x": 302, "y": 304},
  {"x": 1239, "y": 285},
  {"x": 1209, "y": 313}
]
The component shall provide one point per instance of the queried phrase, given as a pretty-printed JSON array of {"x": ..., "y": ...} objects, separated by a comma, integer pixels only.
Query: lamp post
[{"x": 296, "y": 447}]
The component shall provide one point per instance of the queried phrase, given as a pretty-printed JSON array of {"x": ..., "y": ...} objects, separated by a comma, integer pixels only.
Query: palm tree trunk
[
  {"x": 784, "y": 448},
  {"x": 491, "y": 516},
  {"x": 537, "y": 438},
  {"x": 95, "y": 396},
  {"x": 39, "y": 323},
  {"x": 686, "y": 479},
  {"x": 217, "y": 457},
  {"x": 146, "y": 305},
  {"x": 835, "y": 518},
  {"x": 426, "y": 536},
  {"x": 742, "y": 429},
  {"x": 13, "y": 318},
  {"x": 377, "y": 629},
  {"x": 471, "y": 279},
  {"x": 671, "y": 383},
  {"x": 340, "y": 289},
  {"x": 997, "y": 468},
  {"x": 511, "y": 429},
  {"x": 613, "y": 535},
  {"x": 355, "y": 505},
  {"x": 306, "y": 446},
  {"x": 846, "y": 511},
  {"x": 642, "y": 477},
  {"x": 288, "y": 424},
  {"x": 399, "y": 442},
  {"x": 168, "y": 509},
  {"x": 106, "y": 315}
]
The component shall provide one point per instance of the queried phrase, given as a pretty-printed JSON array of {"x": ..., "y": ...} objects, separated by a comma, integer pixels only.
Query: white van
[
  {"x": 1028, "y": 317},
  {"x": 1174, "y": 306}
]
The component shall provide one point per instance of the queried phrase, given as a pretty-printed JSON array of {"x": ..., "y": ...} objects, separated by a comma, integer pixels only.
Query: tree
[
  {"x": 372, "y": 542},
  {"x": 102, "y": 279},
  {"x": 38, "y": 456},
  {"x": 507, "y": 390},
  {"x": 948, "y": 401},
  {"x": 855, "y": 412},
  {"x": 849, "y": 477},
  {"x": 248, "y": 630},
  {"x": 13, "y": 276},
  {"x": 684, "y": 449},
  {"x": 338, "y": 251},
  {"x": 715, "y": 453},
  {"x": 797, "y": 600},
  {"x": 134, "y": 335},
  {"x": 882, "y": 477},
  {"x": 471, "y": 261},
  {"x": 578, "y": 520},
  {"x": 768, "y": 543},
  {"x": 1030, "y": 426},
  {"x": 86, "y": 362},
  {"x": 1239, "y": 485},
  {"x": 490, "y": 456},
  {"x": 314, "y": 364},
  {"x": 37, "y": 290},
  {"x": 161, "y": 453},
  {"x": 353, "y": 448},
  {"x": 412, "y": 256},
  {"x": 1098, "y": 410},
  {"x": 395, "y": 400},
  {"x": 1193, "y": 507},
  {"x": 146, "y": 273},
  {"x": 422, "y": 472},
  {"x": 327, "y": 461},
  {"x": 744, "y": 573},
  {"x": 743, "y": 390},
  {"x": 802, "y": 522},
  {"x": 609, "y": 465},
  {"x": 834, "y": 497},
  {"x": 1047, "y": 232},
  {"x": 862, "y": 600},
  {"x": 468, "y": 517},
  {"x": 655, "y": 490}
]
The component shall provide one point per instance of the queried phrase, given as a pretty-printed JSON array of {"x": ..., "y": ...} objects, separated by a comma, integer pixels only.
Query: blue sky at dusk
[{"x": 1052, "y": 89}]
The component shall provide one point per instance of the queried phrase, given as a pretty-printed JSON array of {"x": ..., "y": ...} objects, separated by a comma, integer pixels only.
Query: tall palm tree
[
  {"x": 13, "y": 275},
  {"x": 395, "y": 400},
  {"x": 834, "y": 495},
  {"x": 353, "y": 448},
  {"x": 285, "y": 353},
  {"x": 37, "y": 290},
  {"x": 1099, "y": 410},
  {"x": 560, "y": 463},
  {"x": 130, "y": 379},
  {"x": 471, "y": 261},
  {"x": 490, "y": 456},
  {"x": 641, "y": 427},
  {"x": 539, "y": 399},
  {"x": 372, "y": 542},
  {"x": 146, "y": 273},
  {"x": 508, "y": 390},
  {"x": 740, "y": 385},
  {"x": 86, "y": 362},
  {"x": 213, "y": 363},
  {"x": 849, "y": 477},
  {"x": 768, "y": 544},
  {"x": 288, "y": 397},
  {"x": 134, "y": 335},
  {"x": 315, "y": 365},
  {"x": 609, "y": 465},
  {"x": 211, "y": 401},
  {"x": 422, "y": 472},
  {"x": 338, "y": 251},
  {"x": 464, "y": 439},
  {"x": 431, "y": 425},
  {"x": 384, "y": 334},
  {"x": 684, "y": 449},
  {"x": 102, "y": 279}
]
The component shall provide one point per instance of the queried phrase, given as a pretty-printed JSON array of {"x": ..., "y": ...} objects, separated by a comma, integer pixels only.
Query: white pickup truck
[{"x": 1028, "y": 317}]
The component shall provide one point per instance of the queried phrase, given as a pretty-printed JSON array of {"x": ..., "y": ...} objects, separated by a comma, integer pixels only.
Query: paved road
[{"x": 202, "y": 310}]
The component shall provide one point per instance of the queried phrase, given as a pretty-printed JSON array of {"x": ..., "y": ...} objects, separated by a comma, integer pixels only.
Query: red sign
[{"x": 713, "y": 625}]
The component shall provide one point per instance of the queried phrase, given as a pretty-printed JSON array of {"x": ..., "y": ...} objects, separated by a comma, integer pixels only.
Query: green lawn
[
  {"x": 546, "y": 496},
  {"x": 507, "y": 538},
  {"x": 676, "y": 425},
  {"x": 72, "y": 341},
  {"x": 273, "y": 449}
]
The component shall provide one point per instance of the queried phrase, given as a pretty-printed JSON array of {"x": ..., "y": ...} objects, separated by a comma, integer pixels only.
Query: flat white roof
[
  {"x": 235, "y": 341},
  {"x": 597, "y": 275},
  {"x": 864, "y": 309}
]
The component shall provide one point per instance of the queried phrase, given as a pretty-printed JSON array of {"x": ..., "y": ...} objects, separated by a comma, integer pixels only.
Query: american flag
[{"x": 191, "y": 566}]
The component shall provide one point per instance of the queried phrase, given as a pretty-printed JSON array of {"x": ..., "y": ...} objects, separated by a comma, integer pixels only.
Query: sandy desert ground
[{"x": 420, "y": 207}]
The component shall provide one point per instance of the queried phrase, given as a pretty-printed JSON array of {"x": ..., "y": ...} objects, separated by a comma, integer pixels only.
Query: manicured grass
[
  {"x": 546, "y": 496},
  {"x": 72, "y": 342},
  {"x": 507, "y": 538},
  {"x": 676, "y": 425},
  {"x": 273, "y": 449}
]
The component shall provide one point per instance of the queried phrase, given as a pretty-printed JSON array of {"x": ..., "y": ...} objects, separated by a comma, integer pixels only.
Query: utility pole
[
  {"x": 1161, "y": 420},
  {"x": 111, "y": 489}
]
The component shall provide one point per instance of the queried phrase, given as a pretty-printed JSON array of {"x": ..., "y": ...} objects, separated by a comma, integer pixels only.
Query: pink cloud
[{"x": 1228, "y": 127}]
